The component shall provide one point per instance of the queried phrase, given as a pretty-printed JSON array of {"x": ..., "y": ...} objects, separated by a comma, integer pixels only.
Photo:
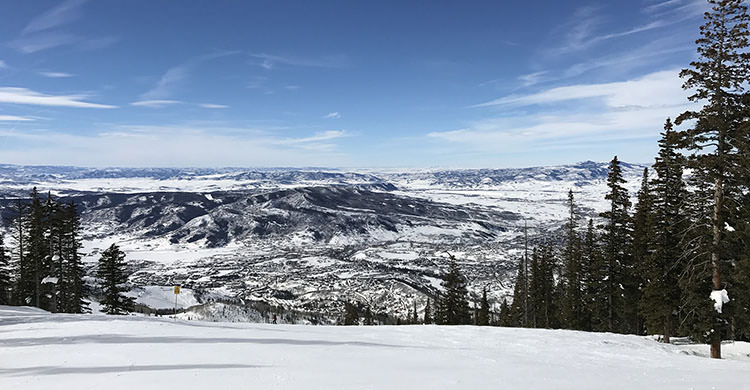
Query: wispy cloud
[
  {"x": 43, "y": 31},
  {"x": 203, "y": 144},
  {"x": 584, "y": 28},
  {"x": 578, "y": 113},
  {"x": 167, "y": 83},
  {"x": 322, "y": 136},
  {"x": 332, "y": 115},
  {"x": 64, "y": 13},
  {"x": 55, "y": 75},
  {"x": 155, "y": 103},
  {"x": 270, "y": 61},
  {"x": 14, "y": 118},
  {"x": 43, "y": 41},
  {"x": 530, "y": 79},
  {"x": 175, "y": 77},
  {"x": 660, "y": 88},
  {"x": 26, "y": 96},
  {"x": 213, "y": 106},
  {"x": 3, "y": 64}
]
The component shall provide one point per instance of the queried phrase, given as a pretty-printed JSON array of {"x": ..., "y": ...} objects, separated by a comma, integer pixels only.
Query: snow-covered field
[{"x": 45, "y": 351}]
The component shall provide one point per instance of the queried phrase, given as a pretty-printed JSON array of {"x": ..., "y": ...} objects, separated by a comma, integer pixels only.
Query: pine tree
[
  {"x": 696, "y": 317},
  {"x": 112, "y": 274},
  {"x": 454, "y": 303},
  {"x": 25, "y": 285},
  {"x": 643, "y": 231},
  {"x": 72, "y": 274},
  {"x": 662, "y": 263},
  {"x": 718, "y": 78},
  {"x": 616, "y": 251},
  {"x": 428, "y": 313},
  {"x": 483, "y": 319},
  {"x": 5, "y": 275},
  {"x": 571, "y": 302},
  {"x": 592, "y": 280},
  {"x": 542, "y": 288},
  {"x": 414, "y": 317},
  {"x": 518, "y": 313},
  {"x": 505, "y": 316},
  {"x": 38, "y": 255}
]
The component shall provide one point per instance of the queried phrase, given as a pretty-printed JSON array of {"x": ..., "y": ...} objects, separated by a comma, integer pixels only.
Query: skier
[{"x": 274, "y": 318}]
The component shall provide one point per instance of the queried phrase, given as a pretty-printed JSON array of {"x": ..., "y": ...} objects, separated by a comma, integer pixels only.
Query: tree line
[
  {"x": 678, "y": 262},
  {"x": 42, "y": 265}
]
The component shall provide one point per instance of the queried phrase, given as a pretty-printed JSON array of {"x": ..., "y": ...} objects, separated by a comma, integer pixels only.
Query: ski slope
[{"x": 39, "y": 350}]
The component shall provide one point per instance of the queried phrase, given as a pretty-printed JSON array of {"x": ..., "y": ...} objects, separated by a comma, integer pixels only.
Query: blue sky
[{"x": 340, "y": 83}]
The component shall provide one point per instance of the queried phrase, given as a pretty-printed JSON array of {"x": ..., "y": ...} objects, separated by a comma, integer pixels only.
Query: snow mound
[{"x": 720, "y": 297}]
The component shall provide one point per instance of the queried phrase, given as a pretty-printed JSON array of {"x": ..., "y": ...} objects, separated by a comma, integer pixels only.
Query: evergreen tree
[
  {"x": 454, "y": 303},
  {"x": 643, "y": 230},
  {"x": 662, "y": 264},
  {"x": 518, "y": 315},
  {"x": 5, "y": 275},
  {"x": 112, "y": 274},
  {"x": 368, "y": 317},
  {"x": 697, "y": 315},
  {"x": 542, "y": 288},
  {"x": 483, "y": 319},
  {"x": 505, "y": 317},
  {"x": 592, "y": 280},
  {"x": 571, "y": 302},
  {"x": 616, "y": 252},
  {"x": 72, "y": 274},
  {"x": 38, "y": 249},
  {"x": 717, "y": 138},
  {"x": 428, "y": 313},
  {"x": 414, "y": 317},
  {"x": 25, "y": 285}
]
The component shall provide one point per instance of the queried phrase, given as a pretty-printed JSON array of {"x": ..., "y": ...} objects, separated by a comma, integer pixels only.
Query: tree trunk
[
  {"x": 667, "y": 330},
  {"x": 716, "y": 277}
]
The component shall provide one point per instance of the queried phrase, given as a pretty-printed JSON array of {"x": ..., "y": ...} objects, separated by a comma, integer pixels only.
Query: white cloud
[
  {"x": 55, "y": 75},
  {"x": 212, "y": 105},
  {"x": 608, "y": 111},
  {"x": 156, "y": 103},
  {"x": 584, "y": 28},
  {"x": 26, "y": 96},
  {"x": 64, "y": 13},
  {"x": 530, "y": 79},
  {"x": 659, "y": 88},
  {"x": 14, "y": 118},
  {"x": 166, "y": 84},
  {"x": 44, "y": 41},
  {"x": 174, "y": 77},
  {"x": 332, "y": 115},
  {"x": 269, "y": 61},
  {"x": 323, "y": 136},
  {"x": 203, "y": 144},
  {"x": 3, "y": 64}
]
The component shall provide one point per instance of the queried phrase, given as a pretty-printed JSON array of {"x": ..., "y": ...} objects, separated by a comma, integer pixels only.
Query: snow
[
  {"x": 55, "y": 351},
  {"x": 163, "y": 297},
  {"x": 720, "y": 297}
]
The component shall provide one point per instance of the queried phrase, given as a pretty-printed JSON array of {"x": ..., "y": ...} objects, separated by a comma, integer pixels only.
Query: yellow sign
[{"x": 176, "y": 289}]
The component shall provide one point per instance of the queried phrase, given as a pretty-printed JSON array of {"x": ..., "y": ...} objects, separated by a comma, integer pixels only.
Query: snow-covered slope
[{"x": 46, "y": 351}]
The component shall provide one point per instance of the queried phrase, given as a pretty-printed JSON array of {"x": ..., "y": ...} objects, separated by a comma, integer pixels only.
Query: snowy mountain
[{"x": 309, "y": 239}]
